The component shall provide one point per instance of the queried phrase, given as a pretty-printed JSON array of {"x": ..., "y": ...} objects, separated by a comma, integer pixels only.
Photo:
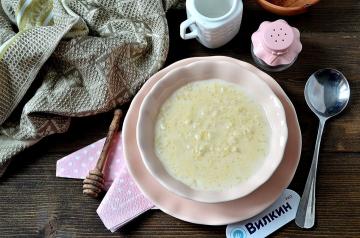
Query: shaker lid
[
  {"x": 278, "y": 36},
  {"x": 276, "y": 43}
]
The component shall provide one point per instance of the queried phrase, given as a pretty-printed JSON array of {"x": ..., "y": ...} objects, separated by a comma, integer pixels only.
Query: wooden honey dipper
[{"x": 93, "y": 185}]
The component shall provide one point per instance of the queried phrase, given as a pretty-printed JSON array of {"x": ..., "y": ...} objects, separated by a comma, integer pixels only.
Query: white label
[{"x": 277, "y": 215}]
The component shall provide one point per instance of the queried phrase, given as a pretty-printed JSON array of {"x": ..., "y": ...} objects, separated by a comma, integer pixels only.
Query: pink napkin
[
  {"x": 78, "y": 164},
  {"x": 122, "y": 203},
  {"x": 123, "y": 200}
]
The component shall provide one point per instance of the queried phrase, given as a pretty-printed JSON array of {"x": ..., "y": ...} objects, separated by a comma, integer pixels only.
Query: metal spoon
[{"x": 327, "y": 93}]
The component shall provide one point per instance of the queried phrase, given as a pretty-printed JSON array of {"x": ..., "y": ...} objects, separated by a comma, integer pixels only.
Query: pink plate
[{"x": 207, "y": 213}]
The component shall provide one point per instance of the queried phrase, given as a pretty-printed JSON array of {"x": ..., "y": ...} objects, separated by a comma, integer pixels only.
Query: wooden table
[{"x": 33, "y": 202}]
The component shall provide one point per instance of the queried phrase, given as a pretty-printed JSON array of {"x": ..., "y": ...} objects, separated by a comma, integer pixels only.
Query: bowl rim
[
  {"x": 190, "y": 193},
  {"x": 286, "y": 9}
]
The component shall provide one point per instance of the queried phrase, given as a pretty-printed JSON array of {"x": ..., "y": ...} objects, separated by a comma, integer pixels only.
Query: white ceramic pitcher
[{"x": 212, "y": 22}]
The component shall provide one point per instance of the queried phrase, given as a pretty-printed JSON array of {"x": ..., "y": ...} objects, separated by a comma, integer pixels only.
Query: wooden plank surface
[{"x": 34, "y": 203}]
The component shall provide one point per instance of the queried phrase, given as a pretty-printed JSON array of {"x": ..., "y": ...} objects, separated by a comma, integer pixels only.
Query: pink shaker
[{"x": 275, "y": 45}]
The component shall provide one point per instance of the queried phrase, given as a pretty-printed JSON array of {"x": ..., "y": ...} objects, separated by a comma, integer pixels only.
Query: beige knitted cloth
[{"x": 71, "y": 58}]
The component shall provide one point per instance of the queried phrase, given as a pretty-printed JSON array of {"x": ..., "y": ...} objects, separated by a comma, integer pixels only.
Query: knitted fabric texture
[{"x": 72, "y": 58}]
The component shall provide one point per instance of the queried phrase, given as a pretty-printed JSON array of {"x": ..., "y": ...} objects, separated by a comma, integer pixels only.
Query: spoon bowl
[{"x": 327, "y": 92}]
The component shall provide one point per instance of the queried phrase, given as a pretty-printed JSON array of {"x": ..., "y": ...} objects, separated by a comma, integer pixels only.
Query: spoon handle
[{"x": 305, "y": 216}]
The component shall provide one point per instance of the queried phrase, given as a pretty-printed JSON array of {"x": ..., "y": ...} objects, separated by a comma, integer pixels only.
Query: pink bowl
[{"x": 205, "y": 70}]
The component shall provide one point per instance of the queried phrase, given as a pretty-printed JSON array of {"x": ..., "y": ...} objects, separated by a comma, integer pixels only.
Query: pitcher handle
[{"x": 184, "y": 25}]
